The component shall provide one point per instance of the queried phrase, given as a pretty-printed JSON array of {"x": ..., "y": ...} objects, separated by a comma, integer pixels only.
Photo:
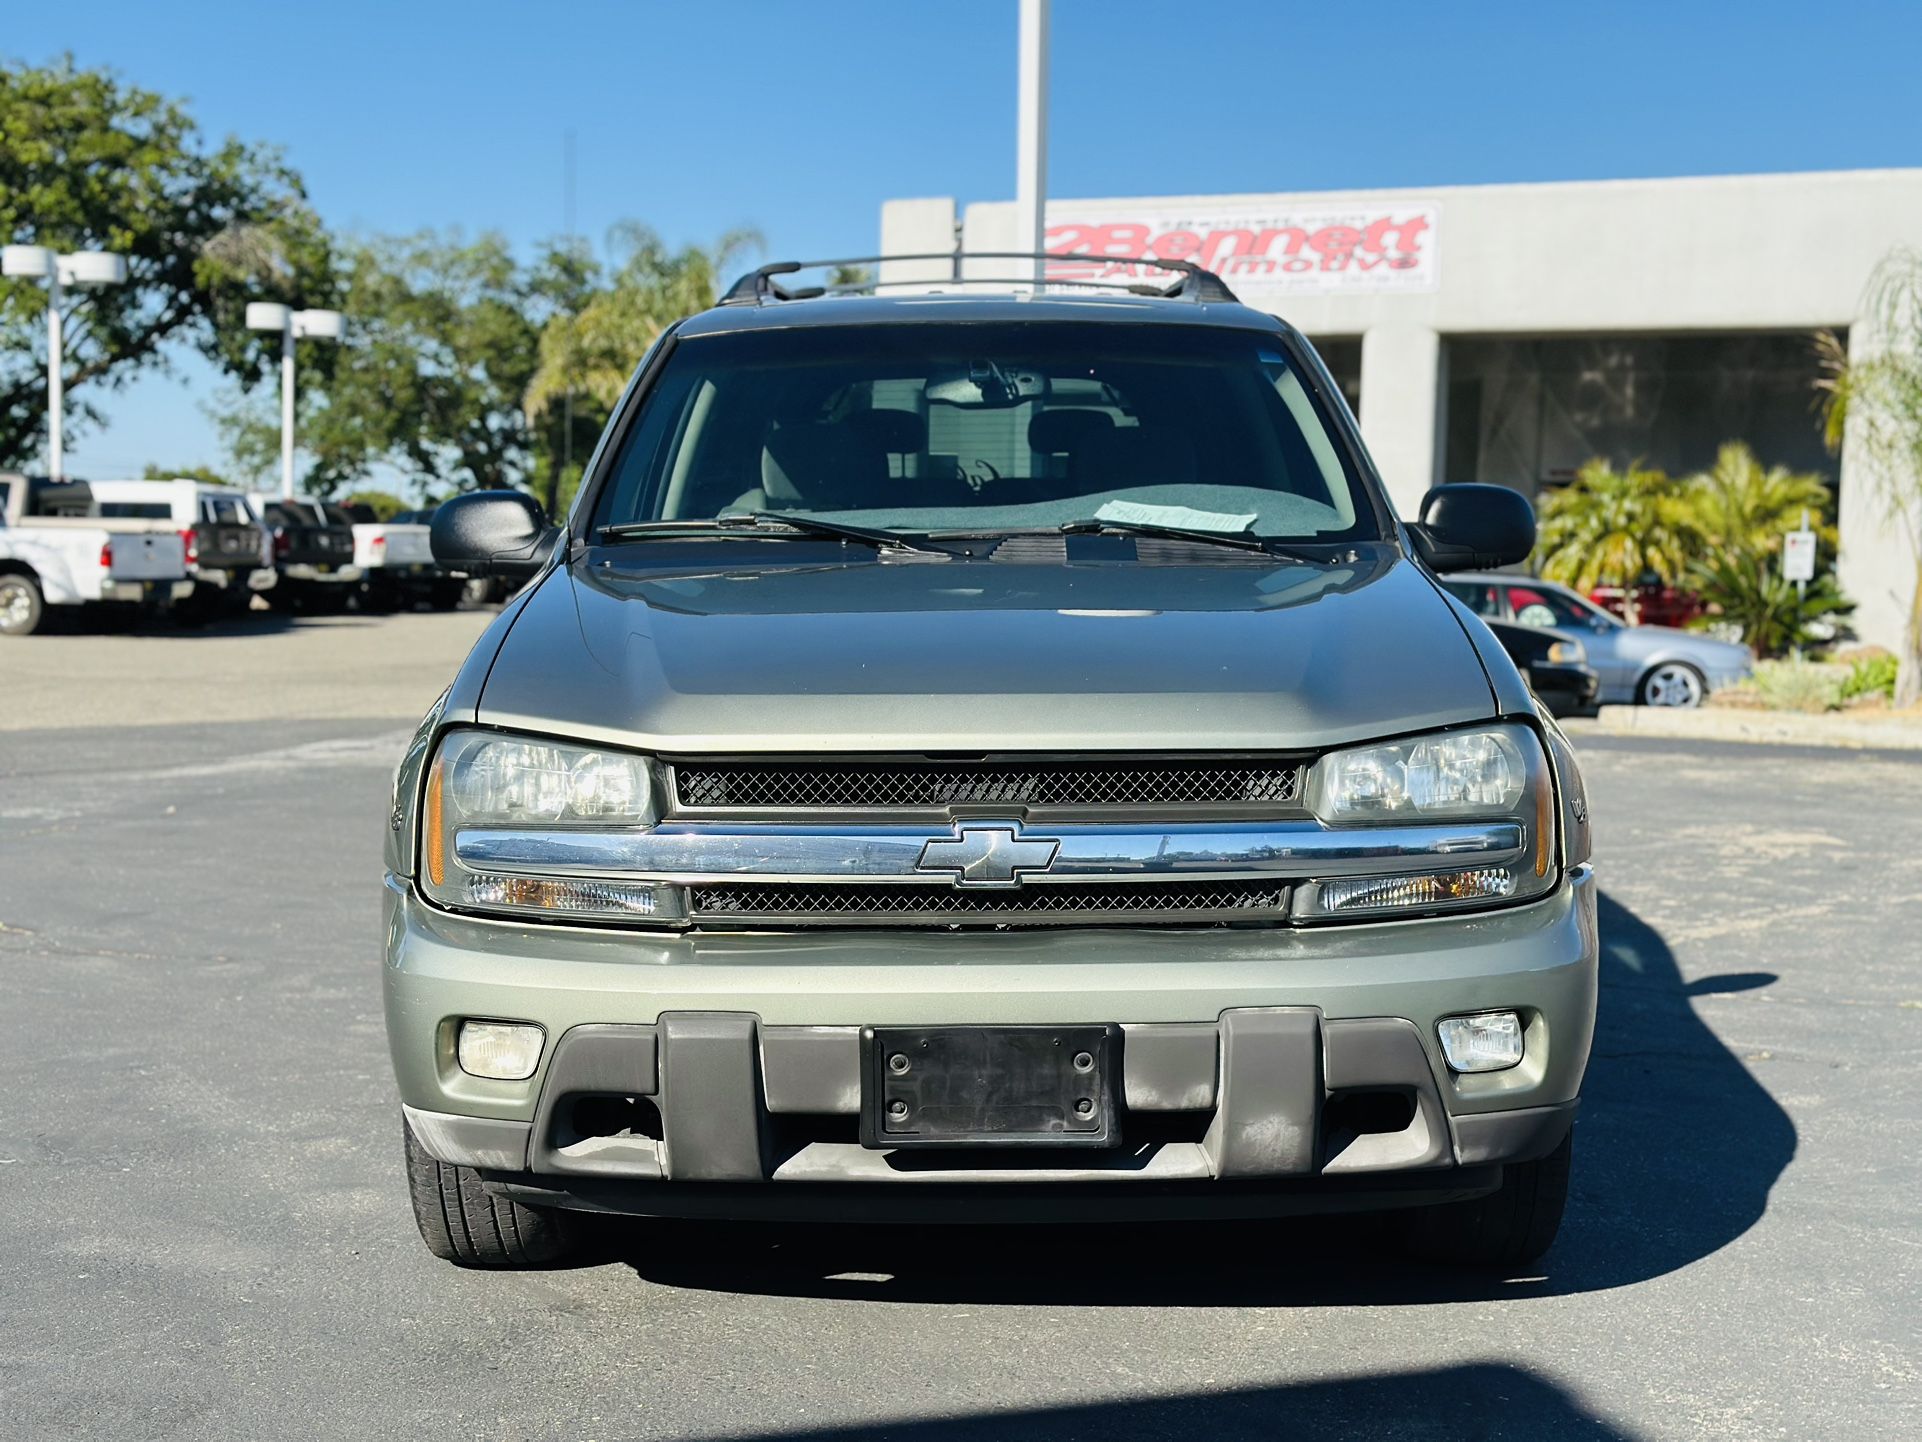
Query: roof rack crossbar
[{"x": 1192, "y": 281}]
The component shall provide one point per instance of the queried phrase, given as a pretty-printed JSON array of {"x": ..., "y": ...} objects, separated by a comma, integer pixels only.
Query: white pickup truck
[
  {"x": 397, "y": 566},
  {"x": 56, "y": 549},
  {"x": 230, "y": 555}
]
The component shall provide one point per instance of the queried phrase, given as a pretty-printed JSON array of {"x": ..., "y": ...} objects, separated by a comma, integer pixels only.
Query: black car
[{"x": 1555, "y": 664}]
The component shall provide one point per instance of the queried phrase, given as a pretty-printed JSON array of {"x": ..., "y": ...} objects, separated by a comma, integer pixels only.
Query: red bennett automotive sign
[{"x": 1257, "y": 251}]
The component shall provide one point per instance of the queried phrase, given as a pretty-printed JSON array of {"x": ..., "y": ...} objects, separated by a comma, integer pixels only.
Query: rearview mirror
[
  {"x": 493, "y": 533},
  {"x": 1471, "y": 527}
]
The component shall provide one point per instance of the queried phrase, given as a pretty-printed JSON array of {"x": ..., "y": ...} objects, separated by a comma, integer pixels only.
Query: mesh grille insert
[
  {"x": 803, "y": 902},
  {"x": 882, "y": 785}
]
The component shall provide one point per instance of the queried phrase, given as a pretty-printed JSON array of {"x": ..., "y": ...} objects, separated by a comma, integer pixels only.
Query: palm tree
[
  {"x": 1737, "y": 504},
  {"x": 591, "y": 353},
  {"x": 1739, "y": 510},
  {"x": 1610, "y": 528},
  {"x": 588, "y": 351},
  {"x": 1875, "y": 403}
]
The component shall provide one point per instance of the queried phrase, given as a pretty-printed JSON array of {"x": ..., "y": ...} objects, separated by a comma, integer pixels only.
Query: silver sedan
[{"x": 1638, "y": 665}]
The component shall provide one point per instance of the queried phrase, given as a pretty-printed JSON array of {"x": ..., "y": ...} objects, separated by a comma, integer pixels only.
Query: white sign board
[
  {"x": 1259, "y": 250},
  {"x": 1798, "y": 556}
]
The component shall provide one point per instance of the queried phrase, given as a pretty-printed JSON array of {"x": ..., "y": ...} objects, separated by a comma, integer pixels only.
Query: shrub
[
  {"x": 1870, "y": 676},
  {"x": 1799, "y": 685}
]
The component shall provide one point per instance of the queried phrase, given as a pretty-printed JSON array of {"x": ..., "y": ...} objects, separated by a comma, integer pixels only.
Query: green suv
[{"x": 978, "y": 757}]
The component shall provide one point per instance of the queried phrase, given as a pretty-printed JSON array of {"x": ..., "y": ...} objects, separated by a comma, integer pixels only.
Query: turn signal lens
[
  {"x": 1486, "y": 1041},
  {"x": 499, "y": 1050},
  {"x": 634, "y": 899},
  {"x": 1389, "y": 893},
  {"x": 433, "y": 831}
]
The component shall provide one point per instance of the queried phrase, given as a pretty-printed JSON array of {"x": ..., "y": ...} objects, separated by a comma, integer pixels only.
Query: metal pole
[
  {"x": 1031, "y": 135},
  {"x": 567, "y": 397},
  {"x": 56, "y": 449},
  {"x": 1801, "y": 596},
  {"x": 287, "y": 410}
]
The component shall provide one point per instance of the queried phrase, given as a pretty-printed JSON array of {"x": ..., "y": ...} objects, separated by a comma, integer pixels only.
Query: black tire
[
  {"x": 462, "y": 1222},
  {"x": 22, "y": 607},
  {"x": 376, "y": 598},
  {"x": 1510, "y": 1226},
  {"x": 446, "y": 595}
]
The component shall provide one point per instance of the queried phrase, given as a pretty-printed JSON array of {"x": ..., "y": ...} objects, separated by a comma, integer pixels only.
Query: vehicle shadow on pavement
[
  {"x": 1677, "y": 1148},
  {"x": 1474, "y": 1400}
]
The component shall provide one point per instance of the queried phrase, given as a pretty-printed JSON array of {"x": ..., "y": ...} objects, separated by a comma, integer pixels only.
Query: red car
[{"x": 1658, "y": 605}]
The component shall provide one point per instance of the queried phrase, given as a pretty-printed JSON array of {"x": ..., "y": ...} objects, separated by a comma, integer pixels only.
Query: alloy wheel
[{"x": 1672, "y": 685}]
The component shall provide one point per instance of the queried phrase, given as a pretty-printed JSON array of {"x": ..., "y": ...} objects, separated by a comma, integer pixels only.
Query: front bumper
[{"x": 1240, "y": 1048}]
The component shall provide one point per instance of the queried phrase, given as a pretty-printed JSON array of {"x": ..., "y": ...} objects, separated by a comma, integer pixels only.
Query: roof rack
[{"x": 1191, "y": 283}]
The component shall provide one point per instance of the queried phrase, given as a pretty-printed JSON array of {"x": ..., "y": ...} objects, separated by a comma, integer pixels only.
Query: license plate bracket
[{"x": 989, "y": 1086}]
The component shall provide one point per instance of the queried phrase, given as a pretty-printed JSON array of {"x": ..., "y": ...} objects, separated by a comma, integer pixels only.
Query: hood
[{"x": 983, "y": 655}]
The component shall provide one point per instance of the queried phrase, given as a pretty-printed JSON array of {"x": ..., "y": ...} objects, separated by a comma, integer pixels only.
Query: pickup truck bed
[{"x": 71, "y": 558}]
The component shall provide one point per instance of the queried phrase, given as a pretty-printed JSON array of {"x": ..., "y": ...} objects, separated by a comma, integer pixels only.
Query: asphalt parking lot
[{"x": 205, "y": 1231}]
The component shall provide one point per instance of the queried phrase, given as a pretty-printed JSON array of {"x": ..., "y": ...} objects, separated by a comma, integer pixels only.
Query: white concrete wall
[
  {"x": 1722, "y": 253},
  {"x": 1880, "y": 526}
]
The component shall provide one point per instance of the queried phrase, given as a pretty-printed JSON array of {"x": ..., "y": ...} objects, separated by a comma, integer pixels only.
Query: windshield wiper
[
  {"x": 1094, "y": 526},
  {"x": 773, "y": 525}
]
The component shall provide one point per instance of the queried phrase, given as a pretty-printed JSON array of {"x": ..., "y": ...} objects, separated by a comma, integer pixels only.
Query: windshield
[
  {"x": 1551, "y": 606},
  {"x": 957, "y": 427}
]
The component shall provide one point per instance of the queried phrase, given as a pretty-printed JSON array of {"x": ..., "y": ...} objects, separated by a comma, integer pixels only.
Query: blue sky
[{"x": 802, "y": 119}]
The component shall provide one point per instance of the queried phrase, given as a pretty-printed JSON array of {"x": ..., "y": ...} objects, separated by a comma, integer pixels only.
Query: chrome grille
[
  {"x": 842, "y": 904},
  {"x": 928, "y": 785}
]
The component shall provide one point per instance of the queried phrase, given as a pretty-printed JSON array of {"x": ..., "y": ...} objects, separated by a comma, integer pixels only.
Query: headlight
[
  {"x": 509, "y": 781},
  {"x": 483, "y": 780},
  {"x": 1490, "y": 773},
  {"x": 1458, "y": 773},
  {"x": 1566, "y": 653}
]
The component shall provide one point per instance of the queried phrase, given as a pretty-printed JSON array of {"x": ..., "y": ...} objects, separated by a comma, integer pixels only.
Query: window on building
[{"x": 1530, "y": 413}]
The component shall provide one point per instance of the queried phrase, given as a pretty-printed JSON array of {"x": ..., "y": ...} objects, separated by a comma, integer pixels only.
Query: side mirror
[
  {"x": 493, "y": 533},
  {"x": 1472, "y": 527}
]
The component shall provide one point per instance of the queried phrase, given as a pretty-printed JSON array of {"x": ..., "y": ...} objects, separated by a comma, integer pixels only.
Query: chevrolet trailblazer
[{"x": 987, "y": 756}]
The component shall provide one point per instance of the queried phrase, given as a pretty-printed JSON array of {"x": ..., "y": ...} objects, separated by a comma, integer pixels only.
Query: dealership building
[{"x": 1509, "y": 333}]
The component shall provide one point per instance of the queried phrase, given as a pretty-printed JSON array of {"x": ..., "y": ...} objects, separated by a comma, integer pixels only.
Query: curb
[{"x": 1767, "y": 728}]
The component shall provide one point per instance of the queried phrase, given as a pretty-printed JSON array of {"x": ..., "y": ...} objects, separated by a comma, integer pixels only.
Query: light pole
[
  {"x": 81, "y": 268},
  {"x": 1031, "y": 136},
  {"x": 293, "y": 325}
]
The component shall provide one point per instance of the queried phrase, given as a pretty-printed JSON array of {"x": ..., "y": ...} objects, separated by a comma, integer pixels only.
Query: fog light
[
  {"x": 1486, "y": 1041},
  {"x": 502, "y": 1050}
]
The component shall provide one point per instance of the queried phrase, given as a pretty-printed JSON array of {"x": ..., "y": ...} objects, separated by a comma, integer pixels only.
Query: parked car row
[
  {"x": 196, "y": 550},
  {"x": 1634, "y": 665}
]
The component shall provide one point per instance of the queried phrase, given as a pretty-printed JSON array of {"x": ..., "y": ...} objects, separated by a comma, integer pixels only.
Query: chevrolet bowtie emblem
[{"x": 987, "y": 856}]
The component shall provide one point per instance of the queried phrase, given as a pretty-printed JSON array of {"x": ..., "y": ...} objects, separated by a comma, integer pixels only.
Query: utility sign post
[{"x": 1798, "y": 565}]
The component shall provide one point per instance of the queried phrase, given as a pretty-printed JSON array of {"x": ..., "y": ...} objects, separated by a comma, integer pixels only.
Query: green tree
[
  {"x": 1740, "y": 502},
  {"x": 442, "y": 340},
  {"x": 206, "y": 475},
  {"x": 1611, "y": 528},
  {"x": 1875, "y": 404},
  {"x": 384, "y": 504},
  {"x": 590, "y": 346},
  {"x": 90, "y": 163},
  {"x": 1739, "y": 510}
]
